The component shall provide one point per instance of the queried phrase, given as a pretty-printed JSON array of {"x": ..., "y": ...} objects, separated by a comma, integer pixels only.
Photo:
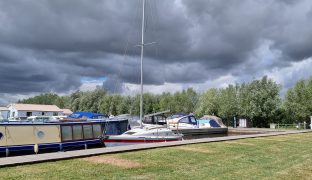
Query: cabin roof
[
  {"x": 86, "y": 114},
  {"x": 67, "y": 111},
  {"x": 4, "y": 109},
  {"x": 36, "y": 107}
]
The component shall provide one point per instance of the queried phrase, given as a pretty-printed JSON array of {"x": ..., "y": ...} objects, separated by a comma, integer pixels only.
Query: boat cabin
[
  {"x": 156, "y": 119},
  {"x": 191, "y": 121}
]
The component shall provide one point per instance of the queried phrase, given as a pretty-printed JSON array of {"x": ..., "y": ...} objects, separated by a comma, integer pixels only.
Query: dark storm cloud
[
  {"x": 113, "y": 84},
  {"x": 49, "y": 45}
]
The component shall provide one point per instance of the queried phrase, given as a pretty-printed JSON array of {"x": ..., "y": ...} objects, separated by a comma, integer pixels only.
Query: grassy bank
[{"x": 278, "y": 157}]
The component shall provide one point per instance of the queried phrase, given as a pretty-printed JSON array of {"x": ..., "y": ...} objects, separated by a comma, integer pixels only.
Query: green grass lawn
[{"x": 277, "y": 157}]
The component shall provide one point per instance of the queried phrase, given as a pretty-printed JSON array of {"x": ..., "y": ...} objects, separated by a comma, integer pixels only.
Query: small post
[
  {"x": 234, "y": 125},
  {"x": 7, "y": 152},
  {"x": 311, "y": 122},
  {"x": 61, "y": 147},
  {"x": 36, "y": 148}
]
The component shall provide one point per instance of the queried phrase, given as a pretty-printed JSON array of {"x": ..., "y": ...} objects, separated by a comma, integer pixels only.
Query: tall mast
[{"x": 142, "y": 54}]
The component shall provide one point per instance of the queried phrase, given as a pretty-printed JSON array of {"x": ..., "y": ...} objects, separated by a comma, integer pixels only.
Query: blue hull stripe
[{"x": 51, "y": 146}]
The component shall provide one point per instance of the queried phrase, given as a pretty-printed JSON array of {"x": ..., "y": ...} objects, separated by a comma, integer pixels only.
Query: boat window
[
  {"x": 28, "y": 114},
  {"x": 193, "y": 120},
  {"x": 1, "y": 135},
  {"x": 161, "y": 118},
  {"x": 77, "y": 132},
  {"x": 97, "y": 130},
  {"x": 130, "y": 132},
  {"x": 67, "y": 133},
  {"x": 148, "y": 120},
  {"x": 213, "y": 123},
  {"x": 40, "y": 134},
  {"x": 87, "y": 131},
  {"x": 184, "y": 120}
]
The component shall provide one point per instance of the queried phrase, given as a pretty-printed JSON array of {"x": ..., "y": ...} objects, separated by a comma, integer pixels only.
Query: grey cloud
[
  {"x": 113, "y": 84},
  {"x": 49, "y": 45}
]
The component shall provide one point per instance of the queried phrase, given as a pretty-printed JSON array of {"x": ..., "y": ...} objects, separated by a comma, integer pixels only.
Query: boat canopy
[
  {"x": 211, "y": 122},
  {"x": 89, "y": 115},
  {"x": 177, "y": 115},
  {"x": 209, "y": 118}
]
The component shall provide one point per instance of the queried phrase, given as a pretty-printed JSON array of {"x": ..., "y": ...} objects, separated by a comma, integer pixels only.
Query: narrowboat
[{"x": 37, "y": 137}]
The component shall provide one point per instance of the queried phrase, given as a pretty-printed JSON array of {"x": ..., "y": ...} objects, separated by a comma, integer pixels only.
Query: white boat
[
  {"x": 189, "y": 125},
  {"x": 148, "y": 134},
  {"x": 144, "y": 133}
]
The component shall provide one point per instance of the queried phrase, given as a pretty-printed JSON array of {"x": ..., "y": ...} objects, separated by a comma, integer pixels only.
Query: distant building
[
  {"x": 67, "y": 112},
  {"x": 26, "y": 110},
  {"x": 4, "y": 113}
]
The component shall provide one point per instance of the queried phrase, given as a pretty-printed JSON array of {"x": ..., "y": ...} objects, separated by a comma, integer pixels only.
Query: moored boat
[
  {"x": 148, "y": 134},
  {"x": 189, "y": 125},
  {"x": 37, "y": 137}
]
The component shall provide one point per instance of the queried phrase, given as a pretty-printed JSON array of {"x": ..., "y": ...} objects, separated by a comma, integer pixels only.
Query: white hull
[{"x": 140, "y": 136}]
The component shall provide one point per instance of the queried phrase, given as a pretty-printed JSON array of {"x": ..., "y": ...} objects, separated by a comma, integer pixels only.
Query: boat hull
[
  {"x": 63, "y": 146},
  {"x": 200, "y": 131},
  {"x": 111, "y": 141}
]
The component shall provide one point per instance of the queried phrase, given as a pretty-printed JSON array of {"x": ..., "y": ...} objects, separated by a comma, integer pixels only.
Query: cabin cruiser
[
  {"x": 146, "y": 134},
  {"x": 189, "y": 125},
  {"x": 153, "y": 129}
]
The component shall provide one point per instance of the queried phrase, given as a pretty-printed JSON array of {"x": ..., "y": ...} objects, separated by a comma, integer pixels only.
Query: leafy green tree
[
  {"x": 208, "y": 103},
  {"x": 298, "y": 100},
  {"x": 229, "y": 103},
  {"x": 74, "y": 100},
  {"x": 45, "y": 98},
  {"x": 260, "y": 101},
  {"x": 166, "y": 102}
]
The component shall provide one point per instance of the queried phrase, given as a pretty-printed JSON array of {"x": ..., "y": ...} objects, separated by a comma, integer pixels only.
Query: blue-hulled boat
[{"x": 37, "y": 137}]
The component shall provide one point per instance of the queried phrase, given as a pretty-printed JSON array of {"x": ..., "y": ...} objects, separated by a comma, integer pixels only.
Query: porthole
[
  {"x": 40, "y": 134},
  {"x": 1, "y": 135}
]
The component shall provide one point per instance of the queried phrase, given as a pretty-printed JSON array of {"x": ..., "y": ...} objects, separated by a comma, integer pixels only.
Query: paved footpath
[{"x": 29, "y": 159}]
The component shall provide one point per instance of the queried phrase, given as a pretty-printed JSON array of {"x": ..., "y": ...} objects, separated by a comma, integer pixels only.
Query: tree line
[{"x": 259, "y": 101}]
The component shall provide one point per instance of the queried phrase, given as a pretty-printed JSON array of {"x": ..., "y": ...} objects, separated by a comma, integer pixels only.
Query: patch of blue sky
[{"x": 86, "y": 79}]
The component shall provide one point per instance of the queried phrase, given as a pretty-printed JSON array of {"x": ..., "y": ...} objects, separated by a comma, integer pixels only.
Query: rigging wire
[{"x": 126, "y": 48}]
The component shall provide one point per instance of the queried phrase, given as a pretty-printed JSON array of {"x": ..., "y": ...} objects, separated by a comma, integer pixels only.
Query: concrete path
[{"x": 28, "y": 159}]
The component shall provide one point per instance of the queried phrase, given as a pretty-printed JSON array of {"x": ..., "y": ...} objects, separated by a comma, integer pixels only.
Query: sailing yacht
[{"x": 144, "y": 133}]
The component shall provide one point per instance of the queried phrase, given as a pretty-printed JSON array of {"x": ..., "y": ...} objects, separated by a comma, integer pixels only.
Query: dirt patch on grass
[
  {"x": 194, "y": 149},
  {"x": 113, "y": 160},
  {"x": 239, "y": 143}
]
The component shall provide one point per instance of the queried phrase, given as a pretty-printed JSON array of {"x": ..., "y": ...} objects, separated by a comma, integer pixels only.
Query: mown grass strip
[{"x": 277, "y": 157}]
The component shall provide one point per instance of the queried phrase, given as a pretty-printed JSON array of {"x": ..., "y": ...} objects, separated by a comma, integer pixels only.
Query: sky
[{"x": 63, "y": 46}]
